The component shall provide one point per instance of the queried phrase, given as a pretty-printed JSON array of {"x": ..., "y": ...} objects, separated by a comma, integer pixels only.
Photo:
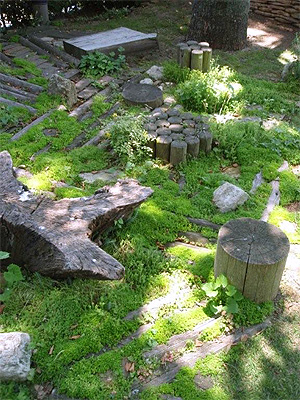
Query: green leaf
[
  {"x": 209, "y": 289},
  {"x": 231, "y": 290},
  {"x": 221, "y": 281},
  {"x": 231, "y": 306},
  {"x": 238, "y": 296},
  {"x": 13, "y": 274},
  {"x": 4, "y": 255},
  {"x": 5, "y": 295},
  {"x": 213, "y": 308}
]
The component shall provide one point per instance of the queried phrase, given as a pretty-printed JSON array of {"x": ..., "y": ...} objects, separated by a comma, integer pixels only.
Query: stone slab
[{"x": 105, "y": 42}]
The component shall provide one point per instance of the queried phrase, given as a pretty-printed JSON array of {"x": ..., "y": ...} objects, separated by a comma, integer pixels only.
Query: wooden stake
[
  {"x": 203, "y": 44},
  {"x": 197, "y": 59},
  {"x": 207, "y": 52},
  {"x": 185, "y": 56}
]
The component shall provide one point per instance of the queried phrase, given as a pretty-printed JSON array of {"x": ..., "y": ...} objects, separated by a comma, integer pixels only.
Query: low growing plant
[
  {"x": 12, "y": 276},
  {"x": 98, "y": 64},
  {"x": 222, "y": 296}
]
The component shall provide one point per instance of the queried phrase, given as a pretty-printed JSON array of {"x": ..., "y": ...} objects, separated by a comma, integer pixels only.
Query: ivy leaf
[
  {"x": 231, "y": 290},
  {"x": 5, "y": 295},
  {"x": 209, "y": 289},
  {"x": 231, "y": 306},
  {"x": 4, "y": 255},
  {"x": 221, "y": 281},
  {"x": 13, "y": 274}
]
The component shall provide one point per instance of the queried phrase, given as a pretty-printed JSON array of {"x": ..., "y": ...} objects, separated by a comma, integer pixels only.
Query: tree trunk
[{"x": 222, "y": 23}]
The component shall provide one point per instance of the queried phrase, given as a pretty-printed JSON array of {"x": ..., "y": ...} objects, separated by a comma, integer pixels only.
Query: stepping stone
[
  {"x": 195, "y": 237},
  {"x": 203, "y": 382},
  {"x": 105, "y": 42},
  {"x": 82, "y": 84},
  {"x": 138, "y": 94},
  {"x": 106, "y": 176},
  {"x": 87, "y": 93}
]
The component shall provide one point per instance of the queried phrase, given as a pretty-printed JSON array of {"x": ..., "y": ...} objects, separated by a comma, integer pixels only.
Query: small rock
[
  {"x": 228, "y": 197},
  {"x": 147, "y": 81},
  {"x": 14, "y": 356},
  {"x": 20, "y": 173},
  {"x": 170, "y": 100},
  {"x": 189, "y": 131},
  {"x": 160, "y": 115},
  {"x": 150, "y": 127},
  {"x": 288, "y": 227},
  {"x": 155, "y": 72},
  {"x": 50, "y": 132},
  {"x": 163, "y": 131},
  {"x": 163, "y": 123},
  {"x": 47, "y": 39},
  {"x": 233, "y": 171},
  {"x": 62, "y": 108},
  {"x": 105, "y": 175},
  {"x": 189, "y": 122},
  {"x": 203, "y": 382},
  {"x": 176, "y": 136},
  {"x": 187, "y": 115},
  {"x": 64, "y": 87}
]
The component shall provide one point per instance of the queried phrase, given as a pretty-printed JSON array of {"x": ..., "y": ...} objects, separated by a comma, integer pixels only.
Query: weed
[
  {"x": 12, "y": 276},
  {"x": 172, "y": 72},
  {"x": 99, "y": 64}
]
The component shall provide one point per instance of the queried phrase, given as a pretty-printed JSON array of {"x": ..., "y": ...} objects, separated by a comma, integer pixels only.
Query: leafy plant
[
  {"x": 129, "y": 139},
  {"x": 210, "y": 92},
  {"x": 12, "y": 276},
  {"x": 222, "y": 296},
  {"x": 174, "y": 73},
  {"x": 98, "y": 64}
]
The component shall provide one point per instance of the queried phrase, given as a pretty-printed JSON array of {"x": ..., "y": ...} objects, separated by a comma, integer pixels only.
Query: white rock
[
  {"x": 105, "y": 175},
  {"x": 147, "y": 81},
  {"x": 14, "y": 356},
  {"x": 155, "y": 72},
  {"x": 228, "y": 197}
]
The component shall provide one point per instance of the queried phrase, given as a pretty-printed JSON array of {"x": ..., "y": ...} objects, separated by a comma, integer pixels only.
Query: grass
[{"x": 76, "y": 325}]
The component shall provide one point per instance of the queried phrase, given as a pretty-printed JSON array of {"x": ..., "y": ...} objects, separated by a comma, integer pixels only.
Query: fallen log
[
  {"x": 30, "y": 87},
  {"x": 54, "y": 237}
]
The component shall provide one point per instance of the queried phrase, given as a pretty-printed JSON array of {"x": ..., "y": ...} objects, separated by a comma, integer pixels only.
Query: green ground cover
[{"x": 76, "y": 325}]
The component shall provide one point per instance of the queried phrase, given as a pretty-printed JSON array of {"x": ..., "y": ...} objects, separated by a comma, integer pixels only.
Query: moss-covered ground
[{"x": 76, "y": 325}]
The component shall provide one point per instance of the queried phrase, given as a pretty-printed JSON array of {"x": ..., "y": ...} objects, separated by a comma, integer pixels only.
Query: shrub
[
  {"x": 129, "y": 139},
  {"x": 209, "y": 92},
  {"x": 174, "y": 73}
]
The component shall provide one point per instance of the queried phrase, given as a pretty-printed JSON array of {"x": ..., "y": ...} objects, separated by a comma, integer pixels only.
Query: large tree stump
[
  {"x": 252, "y": 254},
  {"x": 54, "y": 237}
]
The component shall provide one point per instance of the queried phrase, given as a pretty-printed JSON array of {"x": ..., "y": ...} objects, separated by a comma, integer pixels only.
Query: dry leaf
[
  {"x": 244, "y": 338},
  {"x": 75, "y": 337},
  {"x": 51, "y": 350},
  {"x": 167, "y": 357},
  {"x": 198, "y": 343},
  {"x": 129, "y": 366},
  {"x": 74, "y": 326},
  {"x": 38, "y": 370}
]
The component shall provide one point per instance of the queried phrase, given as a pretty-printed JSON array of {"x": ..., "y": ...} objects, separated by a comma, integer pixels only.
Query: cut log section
[
  {"x": 54, "y": 237},
  {"x": 252, "y": 254},
  {"x": 140, "y": 94}
]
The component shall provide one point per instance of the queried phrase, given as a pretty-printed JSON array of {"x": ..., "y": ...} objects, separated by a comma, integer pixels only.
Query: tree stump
[
  {"x": 252, "y": 255},
  {"x": 54, "y": 238},
  {"x": 178, "y": 152},
  {"x": 140, "y": 94},
  {"x": 163, "y": 147}
]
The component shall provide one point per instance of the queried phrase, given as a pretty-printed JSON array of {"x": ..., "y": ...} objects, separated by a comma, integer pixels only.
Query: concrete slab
[{"x": 105, "y": 42}]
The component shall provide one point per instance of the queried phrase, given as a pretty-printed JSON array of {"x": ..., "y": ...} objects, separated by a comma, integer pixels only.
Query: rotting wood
[
  {"x": 204, "y": 223},
  {"x": 17, "y": 96},
  {"x": 54, "y": 237},
  {"x": 190, "y": 359},
  {"x": 31, "y": 125},
  {"x": 6, "y": 59},
  {"x": 16, "y": 104},
  {"x": 30, "y": 87},
  {"x": 18, "y": 91},
  {"x": 252, "y": 255}
]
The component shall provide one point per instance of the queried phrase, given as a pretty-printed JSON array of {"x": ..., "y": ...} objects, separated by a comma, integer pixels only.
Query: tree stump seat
[{"x": 252, "y": 255}]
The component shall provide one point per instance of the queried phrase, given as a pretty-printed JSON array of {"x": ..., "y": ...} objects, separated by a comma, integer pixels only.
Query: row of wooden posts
[{"x": 194, "y": 55}]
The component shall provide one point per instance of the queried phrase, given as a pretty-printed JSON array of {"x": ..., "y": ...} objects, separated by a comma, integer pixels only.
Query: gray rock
[
  {"x": 150, "y": 126},
  {"x": 14, "y": 356},
  {"x": 169, "y": 101},
  {"x": 163, "y": 123},
  {"x": 155, "y": 72},
  {"x": 173, "y": 112},
  {"x": 187, "y": 115},
  {"x": 146, "y": 81},
  {"x": 189, "y": 122},
  {"x": 160, "y": 115},
  {"x": 63, "y": 87},
  {"x": 176, "y": 136},
  {"x": 228, "y": 197},
  {"x": 203, "y": 382},
  {"x": 105, "y": 175},
  {"x": 189, "y": 131},
  {"x": 163, "y": 131}
]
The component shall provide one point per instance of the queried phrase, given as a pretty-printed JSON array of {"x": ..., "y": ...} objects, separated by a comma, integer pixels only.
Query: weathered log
[
  {"x": 178, "y": 152},
  {"x": 193, "y": 144},
  {"x": 204, "y": 223},
  {"x": 163, "y": 145},
  {"x": 205, "y": 141},
  {"x": 16, "y": 104},
  {"x": 31, "y": 125},
  {"x": 17, "y": 96},
  {"x": 252, "y": 254},
  {"x": 185, "y": 56},
  {"x": 139, "y": 94},
  {"x": 54, "y": 237},
  {"x": 55, "y": 50},
  {"x": 207, "y": 53},
  {"x": 18, "y": 91},
  {"x": 31, "y": 87}
]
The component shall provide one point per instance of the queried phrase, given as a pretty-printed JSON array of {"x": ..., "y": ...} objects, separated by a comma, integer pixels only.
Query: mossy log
[
  {"x": 252, "y": 255},
  {"x": 54, "y": 238}
]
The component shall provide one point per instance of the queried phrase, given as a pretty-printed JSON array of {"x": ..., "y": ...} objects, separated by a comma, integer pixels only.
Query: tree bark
[{"x": 222, "y": 23}]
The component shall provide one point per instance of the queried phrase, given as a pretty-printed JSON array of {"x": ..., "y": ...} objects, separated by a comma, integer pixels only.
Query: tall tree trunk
[{"x": 222, "y": 23}]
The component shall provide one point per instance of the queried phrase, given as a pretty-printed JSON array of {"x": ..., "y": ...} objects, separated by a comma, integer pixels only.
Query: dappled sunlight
[
  {"x": 286, "y": 56},
  {"x": 263, "y": 38}
]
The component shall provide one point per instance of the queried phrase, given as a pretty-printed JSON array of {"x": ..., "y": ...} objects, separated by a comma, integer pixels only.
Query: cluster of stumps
[
  {"x": 174, "y": 133},
  {"x": 194, "y": 55}
]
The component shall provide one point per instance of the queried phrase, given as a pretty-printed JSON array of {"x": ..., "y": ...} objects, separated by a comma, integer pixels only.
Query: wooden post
[
  {"x": 252, "y": 255},
  {"x": 178, "y": 152},
  {"x": 197, "y": 59},
  {"x": 203, "y": 44},
  {"x": 179, "y": 45},
  {"x": 193, "y": 144},
  {"x": 163, "y": 144},
  {"x": 185, "y": 56},
  {"x": 205, "y": 141},
  {"x": 207, "y": 52}
]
